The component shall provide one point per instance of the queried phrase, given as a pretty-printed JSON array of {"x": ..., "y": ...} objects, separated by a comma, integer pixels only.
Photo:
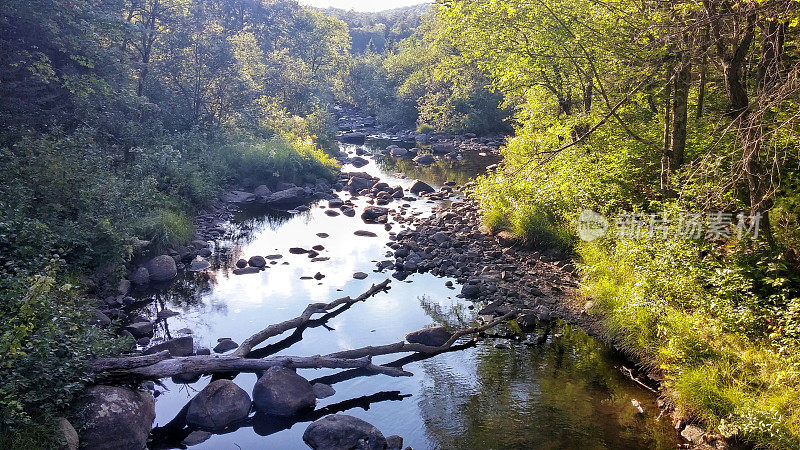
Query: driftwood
[
  {"x": 162, "y": 365},
  {"x": 167, "y": 367}
]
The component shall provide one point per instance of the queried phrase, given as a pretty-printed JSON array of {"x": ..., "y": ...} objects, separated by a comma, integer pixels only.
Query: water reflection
[
  {"x": 565, "y": 393},
  {"x": 553, "y": 392}
]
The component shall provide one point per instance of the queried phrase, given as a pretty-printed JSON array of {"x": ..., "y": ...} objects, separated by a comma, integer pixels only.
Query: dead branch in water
[
  {"x": 162, "y": 365},
  {"x": 314, "y": 308}
]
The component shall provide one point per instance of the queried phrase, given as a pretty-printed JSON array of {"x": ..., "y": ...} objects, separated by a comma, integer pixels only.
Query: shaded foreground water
[{"x": 555, "y": 388}]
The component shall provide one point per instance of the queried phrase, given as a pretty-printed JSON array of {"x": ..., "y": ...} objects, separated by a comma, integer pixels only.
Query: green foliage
[
  {"x": 707, "y": 325},
  {"x": 46, "y": 337}
]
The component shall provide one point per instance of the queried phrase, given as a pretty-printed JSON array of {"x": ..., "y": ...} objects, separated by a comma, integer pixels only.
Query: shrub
[{"x": 46, "y": 337}]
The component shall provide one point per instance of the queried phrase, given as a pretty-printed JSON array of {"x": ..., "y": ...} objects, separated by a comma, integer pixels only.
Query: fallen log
[
  {"x": 162, "y": 365},
  {"x": 314, "y": 308}
]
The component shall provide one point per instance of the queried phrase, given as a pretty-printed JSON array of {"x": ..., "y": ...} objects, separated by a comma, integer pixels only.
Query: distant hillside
[{"x": 380, "y": 31}]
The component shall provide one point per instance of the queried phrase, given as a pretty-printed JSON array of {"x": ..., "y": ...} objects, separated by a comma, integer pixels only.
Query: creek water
[{"x": 557, "y": 388}]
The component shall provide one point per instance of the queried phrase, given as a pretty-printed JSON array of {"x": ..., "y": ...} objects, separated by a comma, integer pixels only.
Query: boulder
[
  {"x": 283, "y": 185},
  {"x": 238, "y": 197},
  {"x": 246, "y": 270},
  {"x": 218, "y": 405},
  {"x": 364, "y": 233},
  {"x": 287, "y": 197},
  {"x": 355, "y": 184},
  {"x": 343, "y": 432},
  {"x": 69, "y": 437},
  {"x": 140, "y": 276},
  {"x": 441, "y": 148},
  {"x": 372, "y": 213},
  {"x": 198, "y": 265},
  {"x": 140, "y": 329},
  {"x": 394, "y": 442},
  {"x": 162, "y": 268},
  {"x": 420, "y": 187},
  {"x": 282, "y": 392},
  {"x": 262, "y": 191},
  {"x": 124, "y": 286},
  {"x": 116, "y": 418},
  {"x": 359, "y": 162},
  {"x": 398, "y": 152},
  {"x": 241, "y": 263},
  {"x": 470, "y": 290},
  {"x": 360, "y": 275},
  {"x": 182, "y": 346},
  {"x": 425, "y": 159},
  {"x": 435, "y": 336},
  {"x": 353, "y": 138},
  {"x": 257, "y": 261}
]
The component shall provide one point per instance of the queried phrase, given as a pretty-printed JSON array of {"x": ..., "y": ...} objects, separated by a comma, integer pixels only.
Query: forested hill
[{"x": 381, "y": 31}]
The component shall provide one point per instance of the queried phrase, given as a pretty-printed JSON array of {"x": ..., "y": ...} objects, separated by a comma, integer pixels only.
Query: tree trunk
[
  {"x": 680, "y": 107},
  {"x": 665, "y": 156}
]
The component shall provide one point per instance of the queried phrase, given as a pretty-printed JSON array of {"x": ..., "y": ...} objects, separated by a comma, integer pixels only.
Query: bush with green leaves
[{"x": 46, "y": 338}]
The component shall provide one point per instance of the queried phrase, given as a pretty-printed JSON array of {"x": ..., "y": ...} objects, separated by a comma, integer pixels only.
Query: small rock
[
  {"x": 360, "y": 275},
  {"x": 365, "y": 233},
  {"x": 225, "y": 345},
  {"x": 322, "y": 390}
]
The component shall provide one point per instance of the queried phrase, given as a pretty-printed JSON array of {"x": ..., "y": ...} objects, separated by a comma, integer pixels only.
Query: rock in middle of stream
[{"x": 282, "y": 392}]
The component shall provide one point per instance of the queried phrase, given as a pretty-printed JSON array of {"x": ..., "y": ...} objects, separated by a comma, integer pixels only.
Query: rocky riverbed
[{"x": 434, "y": 247}]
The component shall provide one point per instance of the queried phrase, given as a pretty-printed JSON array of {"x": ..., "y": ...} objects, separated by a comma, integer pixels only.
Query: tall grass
[{"x": 658, "y": 302}]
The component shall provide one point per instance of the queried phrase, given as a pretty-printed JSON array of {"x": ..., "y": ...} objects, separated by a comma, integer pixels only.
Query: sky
[{"x": 363, "y": 5}]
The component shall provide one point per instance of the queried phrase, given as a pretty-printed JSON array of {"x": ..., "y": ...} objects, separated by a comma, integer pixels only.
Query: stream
[{"x": 556, "y": 388}]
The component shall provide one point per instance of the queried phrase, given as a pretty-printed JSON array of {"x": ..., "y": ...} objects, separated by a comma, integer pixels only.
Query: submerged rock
[
  {"x": 343, "y": 432},
  {"x": 282, "y": 392},
  {"x": 116, "y": 418},
  {"x": 218, "y": 405}
]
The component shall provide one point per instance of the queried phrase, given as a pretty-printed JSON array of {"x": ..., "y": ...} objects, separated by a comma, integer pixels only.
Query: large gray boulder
[
  {"x": 434, "y": 337},
  {"x": 162, "y": 268},
  {"x": 282, "y": 392},
  {"x": 116, "y": 418},
  {"x": 343, "y": 432},
  {"x": 218, "y": 405},
  {"x": 287, "y": 198}
]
